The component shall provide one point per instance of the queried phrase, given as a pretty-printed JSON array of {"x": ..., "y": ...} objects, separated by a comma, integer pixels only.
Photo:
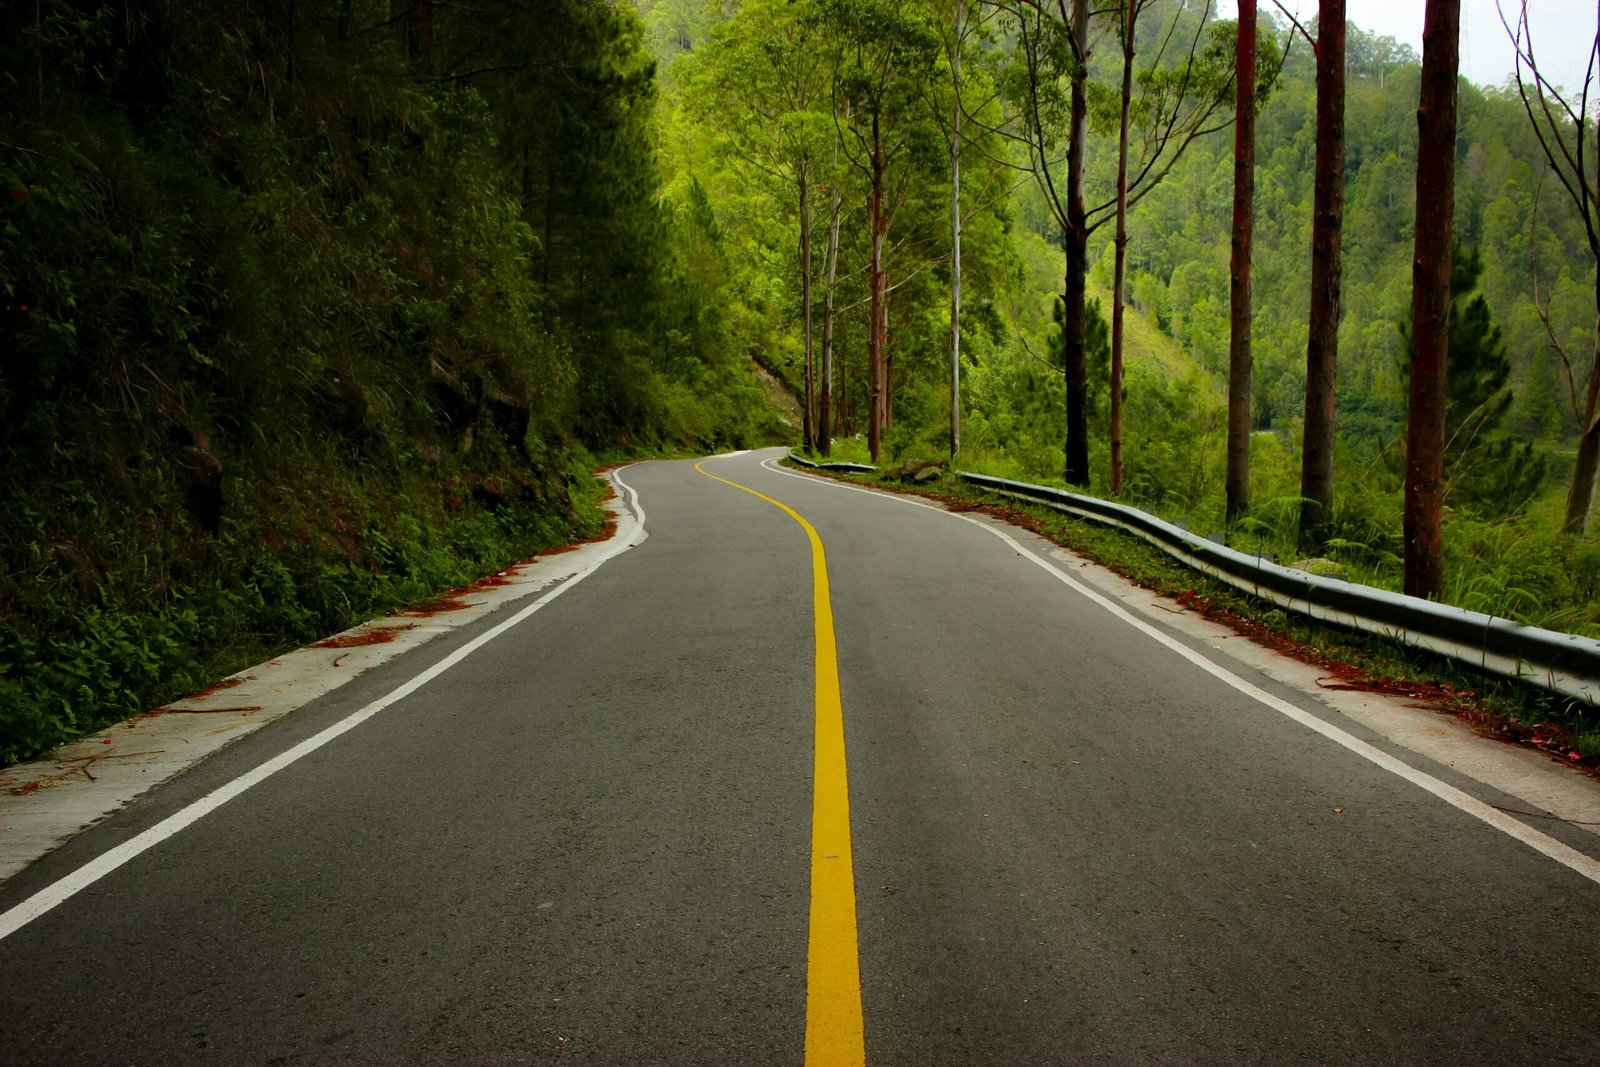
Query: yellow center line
[{"x": 833, "y": 970}]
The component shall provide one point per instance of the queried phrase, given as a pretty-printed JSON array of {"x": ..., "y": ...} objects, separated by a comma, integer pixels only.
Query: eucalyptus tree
[
  {"x": 955, "y": 45},
  {"x": 1175, "y": 106},
  {"x": 965, "y": 32},
  {"x": 1049, "y": 86},
  {"x": 884, "y": 51},
  {"x": 1052, "y": 48},
  {"x": 1327, "y": 221},
  {"x": 1430, "y": 298},
  {"x": 830, "y": 267},
  {"x": 761, "y": 86},
  {"x": 1244, "y": 176},
  {"x": 1563, "y": 127}
]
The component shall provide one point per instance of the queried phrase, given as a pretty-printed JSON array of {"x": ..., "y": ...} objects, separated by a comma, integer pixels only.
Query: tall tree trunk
[
  {"x": 1322, "y": 347},
  {"x": 1580, "y": 498},
  {"x": 1430, "y": 298},
  {"x": 807, "y": 428},
  {"x": 548, "y": 248},
  {"x": 825, "y": 416},
  {"x": 887, "y": 359},
  {"x": 1239, "y": 314},
  {"x": 1120, "y": 270},
  {"x": 426, "y": 36},
  {"x": 874, "y": 335},
  {"x": 955, "y": 240},
  {"x": 1076, "y": 467},
  {"x": 416, "y": 32},
  {"x": 293, "y": 61},
  {"x": 875, "y": 284}
]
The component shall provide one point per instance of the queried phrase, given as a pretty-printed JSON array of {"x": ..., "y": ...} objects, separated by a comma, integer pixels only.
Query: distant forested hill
[
  {"x": 1507, "y": 204},
  {"x": 807, "y": 74}
]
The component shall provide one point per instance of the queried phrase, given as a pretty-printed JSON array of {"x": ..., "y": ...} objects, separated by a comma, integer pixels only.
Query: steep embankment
[{"x": 301, "y": 319}]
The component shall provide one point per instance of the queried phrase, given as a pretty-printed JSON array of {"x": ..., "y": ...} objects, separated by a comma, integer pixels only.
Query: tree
[
  {"x": 1484, "y": 469},
  {"x": 1561, "y": 127},
  {"x": 955, "y": 230},
  {"x": 1322, "y": 345},
  {"x": 1127, "y": 24},
  {"x": 1244, "y": 167},
  {"x": 1175, "y": 107},
  {"x": 1053, "y": 45},
  {"x": 761, "y": 86},
  {"x": 885, "y": 52},
  {"x": 1430, "y": 299},
  {"x": 830, "y": 289}
]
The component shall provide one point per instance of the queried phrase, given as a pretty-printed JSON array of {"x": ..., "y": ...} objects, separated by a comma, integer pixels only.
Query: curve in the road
[
  {"x": 1563, "y": 854},
  {"x": 834, "y": 1027},
  {"x": 65, "y": 888}
]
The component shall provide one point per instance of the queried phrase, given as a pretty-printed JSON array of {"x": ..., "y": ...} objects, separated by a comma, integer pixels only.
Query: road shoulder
[
  {"x": 46, "y": 802},
  {"x": 1547, "y": 795}
]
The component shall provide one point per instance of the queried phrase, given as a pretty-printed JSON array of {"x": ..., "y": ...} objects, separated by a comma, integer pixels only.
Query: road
[{"x": 1063, "y": 840}]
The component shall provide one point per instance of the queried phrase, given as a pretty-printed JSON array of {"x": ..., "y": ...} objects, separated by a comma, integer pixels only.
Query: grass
[
  {"x": 848, "y": 450},
  {"x": 1501, "y": 708},
  {"x": 73, "y": 660}
]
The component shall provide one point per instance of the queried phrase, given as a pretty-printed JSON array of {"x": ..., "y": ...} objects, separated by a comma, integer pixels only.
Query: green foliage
[
  {"x": 1486, "y": 471},
  {"x": 310, "y": 310}
]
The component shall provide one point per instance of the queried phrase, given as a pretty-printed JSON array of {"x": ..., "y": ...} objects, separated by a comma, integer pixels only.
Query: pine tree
[{"x": 1485, "y": 469}]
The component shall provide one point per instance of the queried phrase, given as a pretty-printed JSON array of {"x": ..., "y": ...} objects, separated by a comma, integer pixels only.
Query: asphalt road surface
[{"x": 592, "y": 840}]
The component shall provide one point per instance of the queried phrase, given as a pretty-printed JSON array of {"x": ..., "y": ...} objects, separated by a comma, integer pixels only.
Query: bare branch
[
  {"x": 1296, "y": 23},
  {"x": 1543, "y": 307}
]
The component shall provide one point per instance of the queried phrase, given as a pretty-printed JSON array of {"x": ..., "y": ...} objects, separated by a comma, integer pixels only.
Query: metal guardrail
[
  {"x": 859, "y": 468},
  {"x": 1563, "y": 663}
]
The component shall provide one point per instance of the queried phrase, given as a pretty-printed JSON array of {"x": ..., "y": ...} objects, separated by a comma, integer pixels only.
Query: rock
[
  {"x": 347, "y": 401},
  {"x": 203, "y": 495},
  {"x": 451, "y": 397},
  {"x": 1320, "y": 566},
  {"x": 350, "y": 546},
  {"x": 510, "y": 403},
  {"x": 916, "y": 470},
  {"x": 86, "y": 570}
]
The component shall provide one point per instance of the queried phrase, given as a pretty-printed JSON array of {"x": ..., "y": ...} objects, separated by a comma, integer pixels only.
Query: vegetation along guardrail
[
  {"x": 1561, "y": 662},
  {"x": 858, "y": 468}
]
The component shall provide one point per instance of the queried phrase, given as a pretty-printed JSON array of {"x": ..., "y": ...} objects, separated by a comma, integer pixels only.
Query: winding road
[{"x": 801, "y": 773}]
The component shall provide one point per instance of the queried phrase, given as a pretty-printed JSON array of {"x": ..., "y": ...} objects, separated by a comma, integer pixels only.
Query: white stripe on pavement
[
  {"x": 1563, "y": 854},
  {"x": 63, "y": 889}
]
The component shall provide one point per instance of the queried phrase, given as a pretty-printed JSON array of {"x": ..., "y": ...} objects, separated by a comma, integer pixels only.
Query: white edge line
[
  {"x": 64, "y": 888},
  {"x": 1563, "y": 854}
]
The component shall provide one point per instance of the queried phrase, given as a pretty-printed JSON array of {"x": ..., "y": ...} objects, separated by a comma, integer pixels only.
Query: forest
[
  {"x": 870, "y": 104},
  {"x": 310, "y": 309}
]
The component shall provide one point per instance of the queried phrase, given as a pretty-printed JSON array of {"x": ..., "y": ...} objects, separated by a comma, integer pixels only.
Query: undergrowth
[{"x": 137, "y": 626}]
